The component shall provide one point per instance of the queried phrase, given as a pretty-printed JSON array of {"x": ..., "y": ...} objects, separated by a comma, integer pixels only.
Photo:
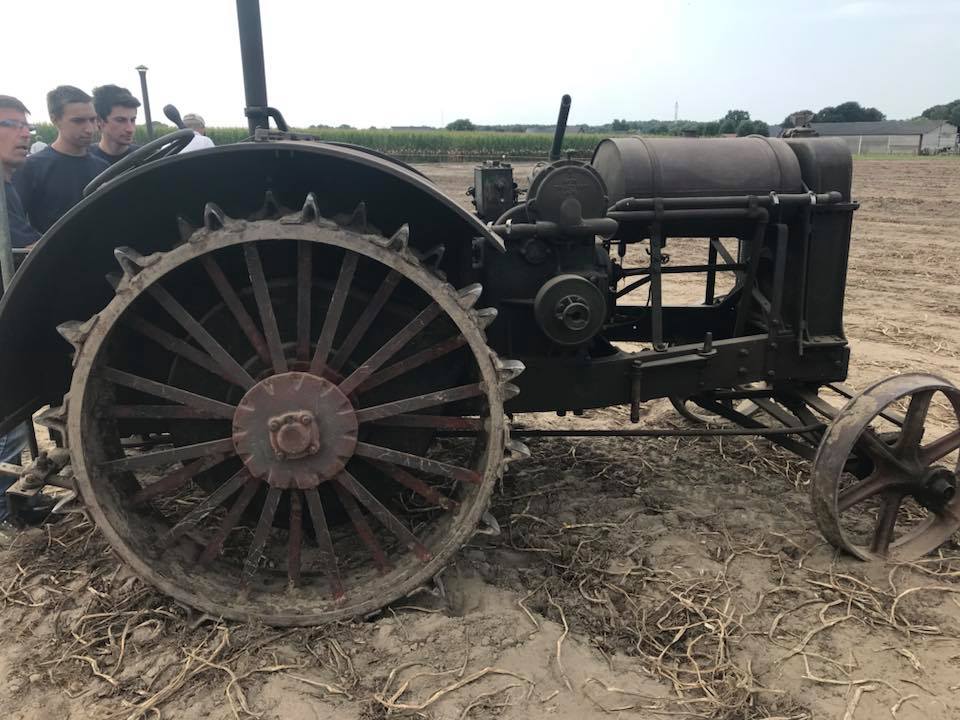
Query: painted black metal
[
  {"x": 254, "y": 73},
  {"x": 236, "y": 178},
  {"x": 561, "y": 128}
]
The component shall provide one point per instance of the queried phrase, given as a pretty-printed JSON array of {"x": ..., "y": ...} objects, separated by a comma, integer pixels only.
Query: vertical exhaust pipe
[
  {"x": 560, "y": 130},
  {"x": 251, "y": 55}
]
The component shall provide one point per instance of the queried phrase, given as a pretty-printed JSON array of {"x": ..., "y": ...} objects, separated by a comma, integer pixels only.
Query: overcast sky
[{"x": 428, "y": 63}]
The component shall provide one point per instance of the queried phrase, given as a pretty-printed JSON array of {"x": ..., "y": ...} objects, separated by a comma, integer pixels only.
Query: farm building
[{"x": 890, "y": 136}]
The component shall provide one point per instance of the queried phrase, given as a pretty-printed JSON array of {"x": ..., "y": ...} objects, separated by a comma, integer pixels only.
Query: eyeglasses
[{"x": 17, "y": 125}]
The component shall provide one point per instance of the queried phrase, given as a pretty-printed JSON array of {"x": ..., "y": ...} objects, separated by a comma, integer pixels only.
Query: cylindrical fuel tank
[{"x": 692, "y": 167}]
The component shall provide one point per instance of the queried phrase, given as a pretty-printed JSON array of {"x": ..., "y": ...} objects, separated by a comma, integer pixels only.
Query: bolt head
[
  {"x": 274, "y": 425},
  {"x": 306, "y": 419},
  {"x": 314, "y": 447},
  {"x": 281, "y": 455}
]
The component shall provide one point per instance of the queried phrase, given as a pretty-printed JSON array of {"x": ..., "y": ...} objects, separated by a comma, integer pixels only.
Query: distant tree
[
  {"x": 619, "y": 126},
  {"x": 788, "y": 120},
  {"x": 461, "y": 124},
  {"x": 850, "y": 111},
  {"x": 950, "y": 112},
  {"x": 660, "y": 129},
  {"x": 737, "y": 116},
  {"x": 760, "y": 128},
  {"x": 344, "y": 126},
  {"x": 711, "y": 129}
]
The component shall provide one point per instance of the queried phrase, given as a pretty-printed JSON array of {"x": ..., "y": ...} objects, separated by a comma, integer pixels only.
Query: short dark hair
[
  {"x": 107, "y": 97},
  {"x": 8, "y": 102},
  {"x": 63, "y": 95}
]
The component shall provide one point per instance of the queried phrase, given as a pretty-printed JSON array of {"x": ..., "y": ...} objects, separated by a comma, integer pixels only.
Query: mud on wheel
[{"x": 256, "y": 420}]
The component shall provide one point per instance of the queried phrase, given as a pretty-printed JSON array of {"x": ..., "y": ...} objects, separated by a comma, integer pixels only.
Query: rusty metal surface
[
  {"x": 295, "y": 432},
  {"x": 897, "y": 468}
]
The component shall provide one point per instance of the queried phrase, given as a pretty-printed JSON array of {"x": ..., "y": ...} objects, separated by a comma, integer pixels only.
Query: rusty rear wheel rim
[
  {"x": 295, "y": 526},
  {"x": 890, "y": 495}
]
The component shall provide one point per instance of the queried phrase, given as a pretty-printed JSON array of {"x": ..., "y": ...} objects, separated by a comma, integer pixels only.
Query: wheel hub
[
  {"x": 295, "y": 430},
  {"x": 939, "y": 488}
]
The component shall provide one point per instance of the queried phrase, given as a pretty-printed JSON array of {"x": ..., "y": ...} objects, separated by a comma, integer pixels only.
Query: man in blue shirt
[
  {"x": 117, "y": 119},
  {"x": 52, "y": 181}
]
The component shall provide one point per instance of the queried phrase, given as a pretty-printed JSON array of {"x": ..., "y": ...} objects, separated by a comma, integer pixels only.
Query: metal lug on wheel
[
  {"x": 114, "y": 279},
  {"x": 509, "y": 390},
  {"x": 507, "y": 370},
  {"x": 358, "y": 219},
  {"x": 213, "y": 217},
  {"x": 310, "y": 212},
  {"x": 132, "y": 262},
  {"x": 432, "y": 258},
  {"x": 75, "y": 332},
  {"x": 485, "y": 317},
  {"x": 468, "y": 296},
  {"x": 184, "y": 228},
  {"x": 516, "y": 450},
  {"x": 400, "y": 239},
  {"x": 489, "y": 525},
  {"x": 270, "y": 208}
]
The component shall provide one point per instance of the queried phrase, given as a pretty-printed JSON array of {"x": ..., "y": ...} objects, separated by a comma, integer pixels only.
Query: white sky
[{"x": 426, "y": 62}]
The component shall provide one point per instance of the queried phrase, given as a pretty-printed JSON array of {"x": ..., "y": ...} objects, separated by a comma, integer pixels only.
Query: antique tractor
[{"x": 284, "y": 371}]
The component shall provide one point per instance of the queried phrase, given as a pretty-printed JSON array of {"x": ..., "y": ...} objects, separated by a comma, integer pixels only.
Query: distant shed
[{"x": 908, "y": 137}]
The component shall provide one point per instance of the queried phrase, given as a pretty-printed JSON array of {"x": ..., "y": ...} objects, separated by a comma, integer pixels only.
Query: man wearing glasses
[
  {"x": 14, "y": 146},
  {"x": 52, "y": 181}
]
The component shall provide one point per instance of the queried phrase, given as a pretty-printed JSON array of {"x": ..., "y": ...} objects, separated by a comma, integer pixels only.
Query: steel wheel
[
  {"x": 288, "y": 377},
  {"x": 884, "y": 495}
]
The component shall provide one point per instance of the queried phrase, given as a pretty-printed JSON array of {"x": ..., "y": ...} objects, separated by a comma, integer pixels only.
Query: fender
[{"x": 63, "y": 278}]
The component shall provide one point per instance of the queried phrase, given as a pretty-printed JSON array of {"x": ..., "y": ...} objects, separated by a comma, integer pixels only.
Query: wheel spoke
[
  {"x": 417, "y": 462},
  {"x": 261, "y": 293},
  {"x": 913, "y": 423},
  {"x": 164, "y": 457},
  {"x": 168, "y": 392},
  {"x": 886, "y": 521},
  {"x": 940, "y": 448},
  {"x": 304, "y": 287},
  {"x": 365, "y": 320},
  {"x": 230, "y": 520},
  {"x": 413, "y": 361},
  {"x": 191, "y": 520},
  {"x": 233, "y": 302},
  {"x": 260, "y": 536},
  {"x": 328, "y": 558},
  {"x": 440, "y": 422},
  {"x": 295, "y": 539},
  {"x": 392, "y": 346},
  {"x": 232, "y": 369},
  {"x": 412, "y": 482},
  {"x": 157, "y": 412},
  {"x": 398, "y": 407},
  {"x": 876, "y": 483},
  {"x": 381, "y": 513},
  {"x": 175, "y": 480},
  {"x": 880, "y": 451},
  {"x": 173, "y": 344},
  {"x": 362, "y": 528},
  {"x": 334, "y": 311}
]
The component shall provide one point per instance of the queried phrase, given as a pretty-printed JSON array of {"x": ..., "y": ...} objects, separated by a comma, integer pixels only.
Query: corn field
[{"x": 425, "y": 144}]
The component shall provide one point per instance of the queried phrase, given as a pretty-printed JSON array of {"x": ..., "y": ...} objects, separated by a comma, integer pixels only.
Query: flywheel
[{"x": 286, "y": 419}]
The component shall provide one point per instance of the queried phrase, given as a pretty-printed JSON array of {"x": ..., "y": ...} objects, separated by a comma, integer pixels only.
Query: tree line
[{"x": 734, "y": 122}]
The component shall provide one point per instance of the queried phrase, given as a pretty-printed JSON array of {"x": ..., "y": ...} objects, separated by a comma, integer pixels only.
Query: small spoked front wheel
[{"x": 884, "y": 492}]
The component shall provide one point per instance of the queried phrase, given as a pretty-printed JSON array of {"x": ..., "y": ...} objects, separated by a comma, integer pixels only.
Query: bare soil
[{"x": 632, "y": 578}]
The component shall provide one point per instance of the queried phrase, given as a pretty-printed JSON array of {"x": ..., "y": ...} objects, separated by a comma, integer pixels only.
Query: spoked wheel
[
  {"x": 879, "y": 494},
  {"x": 291, "y": 378}
]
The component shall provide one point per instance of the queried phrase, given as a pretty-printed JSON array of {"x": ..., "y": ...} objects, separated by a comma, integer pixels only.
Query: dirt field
[{"x": 640, "y": 578}]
